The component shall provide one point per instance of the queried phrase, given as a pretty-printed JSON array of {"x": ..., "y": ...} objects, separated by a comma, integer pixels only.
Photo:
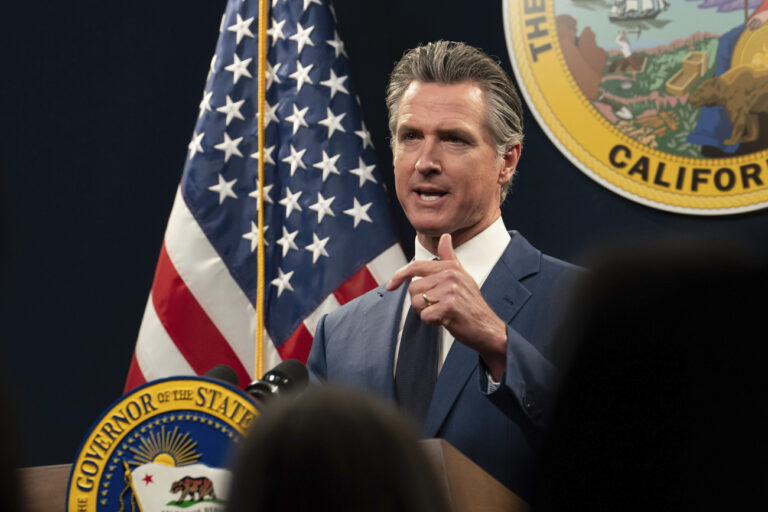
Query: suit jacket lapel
[
  {"x": 502, "y": 289},
  {"x": 386, "y": 312},
  {"x": 505, "y": 294},
  {"x": 457, "y": 368}
]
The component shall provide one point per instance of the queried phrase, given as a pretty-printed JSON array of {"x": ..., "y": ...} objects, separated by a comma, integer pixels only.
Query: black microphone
[
  {"x": 224, "y": 373},
  {"x": 289, "y": 376}
]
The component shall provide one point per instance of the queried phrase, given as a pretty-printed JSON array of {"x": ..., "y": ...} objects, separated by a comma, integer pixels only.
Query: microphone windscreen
[
  {"x": 294, "y": 372},
  {"x": 223, "y": 372}
]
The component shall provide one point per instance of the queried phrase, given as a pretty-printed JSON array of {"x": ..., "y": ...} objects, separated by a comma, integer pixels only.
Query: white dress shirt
[{"x": 478, "y": 256}]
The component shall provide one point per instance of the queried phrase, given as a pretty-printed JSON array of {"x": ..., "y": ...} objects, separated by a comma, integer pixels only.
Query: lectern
[
  {"x": 44, "y": 488},
  {"x": 469, "y": 487}
]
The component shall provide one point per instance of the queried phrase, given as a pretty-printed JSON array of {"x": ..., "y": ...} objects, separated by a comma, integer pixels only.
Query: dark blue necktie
[{"x": 416, "y": 371}]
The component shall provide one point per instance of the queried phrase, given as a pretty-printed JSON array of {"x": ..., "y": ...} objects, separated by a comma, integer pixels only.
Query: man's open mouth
[{"x": 429, "y": 194}]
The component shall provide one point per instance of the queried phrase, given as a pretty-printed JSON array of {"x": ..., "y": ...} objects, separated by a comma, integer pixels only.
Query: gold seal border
[
  {"x": 573, "y": 108},
  {"x": 183, "y": 395}
]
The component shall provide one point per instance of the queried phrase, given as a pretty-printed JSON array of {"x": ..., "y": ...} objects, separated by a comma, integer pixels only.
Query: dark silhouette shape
[
  {"x": 662, "y": 408},
  {"x": 10, "y": 486},
  {"x": 333, "y": 450}
]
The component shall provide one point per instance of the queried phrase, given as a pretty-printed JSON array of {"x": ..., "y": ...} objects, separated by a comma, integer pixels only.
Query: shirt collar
[{"x": 477, "y": 255}]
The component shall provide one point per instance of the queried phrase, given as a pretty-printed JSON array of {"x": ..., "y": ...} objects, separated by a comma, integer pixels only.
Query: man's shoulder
[
  {"x": 360, "y": 305},
  {"x": 550, "y": 263},
  {"x": 362, "y": 318},
  {"x": 525, "y": 259},
  {"x": 546, "y": 277}
]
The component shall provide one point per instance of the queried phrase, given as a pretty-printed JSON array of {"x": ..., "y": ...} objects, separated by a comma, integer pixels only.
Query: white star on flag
[
  {"x": 256, "y": 195},
  {"x": 335, "y": 84},
  {"x": 239, "y": 68},
  {"x": 364, "y": 172},
  {"x": 276, "y": 31},
  {"x": 291, "y": 201},
  {"x": 231, "y": 109},
  {"x": 229, "y": 147},
  {"x": 295, "y": 159},
  {"x": 332, "y": 122},
  {"x": 271, "y": 74},
  {"x": 253, "y": 236},
  {"x": 322, "y": 207},
  {"x": 282, "y": 281},
  {"x": 317, "y": 247},
  {"x": 328, "y": 165},
  {"x": 212, "y": 68},
  {"x": 271, "y": 113},
  {"x": 359, "y": 212},
  {"x": 337, "y": 44},
  {"x": 301, "y": 75},
  {"x": 297, "y": 118},
  {"x": 267, "y": 155},
  {"x": 205, "y": 103},
  {"x": 195, "y": 145},
  {"x": 224, "y": 188},
  {"x": 241, "y": 28},
  {"x": 286, "y": 242},
  {"x": 302, "y": 36},
  {"x": 364, "y": 134}
]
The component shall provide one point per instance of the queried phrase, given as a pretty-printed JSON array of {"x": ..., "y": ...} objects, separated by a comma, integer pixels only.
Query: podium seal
[
  {"x": 664, "y": 102},
  {"x": 165, "y": 446}
]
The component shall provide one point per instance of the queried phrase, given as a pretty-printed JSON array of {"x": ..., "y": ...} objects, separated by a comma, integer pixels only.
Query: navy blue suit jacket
[{"x": 501, "y": 431}]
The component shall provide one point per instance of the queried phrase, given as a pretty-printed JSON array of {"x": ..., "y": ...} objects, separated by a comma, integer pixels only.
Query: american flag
[{"x": 328, "y": 229}]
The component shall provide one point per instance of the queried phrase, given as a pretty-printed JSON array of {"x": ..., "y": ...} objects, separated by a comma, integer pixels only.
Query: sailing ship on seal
[{"x": 631, "y": 10}]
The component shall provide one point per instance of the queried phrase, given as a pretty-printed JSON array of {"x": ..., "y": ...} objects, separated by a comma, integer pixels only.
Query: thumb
[{"x": 445, "y": 248}]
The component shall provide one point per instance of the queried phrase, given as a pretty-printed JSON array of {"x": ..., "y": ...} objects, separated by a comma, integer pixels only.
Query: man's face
[{"x": 448, "y": 175}]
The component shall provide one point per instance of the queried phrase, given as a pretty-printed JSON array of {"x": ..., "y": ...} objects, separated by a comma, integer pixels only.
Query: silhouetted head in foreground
[
  {"x": 333, "y": 450},
  {"x": 10, "y": 487},
  {"x": 663, "y": 407}
]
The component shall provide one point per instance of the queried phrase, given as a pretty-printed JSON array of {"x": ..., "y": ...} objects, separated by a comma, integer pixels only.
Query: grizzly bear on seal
[
  {"x": 743, "y": 92},
  {"x": 189, "y": 486}
]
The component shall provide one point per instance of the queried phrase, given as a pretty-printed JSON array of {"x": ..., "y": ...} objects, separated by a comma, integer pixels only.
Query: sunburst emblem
[{"x": 168, "y": 448}]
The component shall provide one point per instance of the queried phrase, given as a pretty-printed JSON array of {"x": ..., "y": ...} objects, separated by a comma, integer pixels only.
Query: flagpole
[{"x": 259, "y": 362}]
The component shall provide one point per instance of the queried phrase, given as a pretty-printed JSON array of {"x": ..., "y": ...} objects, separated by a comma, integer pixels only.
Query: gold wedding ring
[{"x": 426, "y": 300}]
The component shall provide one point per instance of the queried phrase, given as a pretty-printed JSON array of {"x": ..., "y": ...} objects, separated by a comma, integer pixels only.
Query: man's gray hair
[{"x": 450, "y": 62}]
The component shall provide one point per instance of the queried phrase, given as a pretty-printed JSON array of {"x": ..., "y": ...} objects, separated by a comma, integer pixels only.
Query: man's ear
[{"x": 509, "y": 163}]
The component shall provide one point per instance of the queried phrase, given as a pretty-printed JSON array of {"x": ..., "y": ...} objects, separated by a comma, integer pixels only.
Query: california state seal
[
  {"x": 664, "y": 102},
  {"x": 165, "y": 446}
]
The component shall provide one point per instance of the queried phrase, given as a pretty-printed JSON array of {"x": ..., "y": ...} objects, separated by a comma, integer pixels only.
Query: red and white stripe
[{"x": 197, "y": 316}]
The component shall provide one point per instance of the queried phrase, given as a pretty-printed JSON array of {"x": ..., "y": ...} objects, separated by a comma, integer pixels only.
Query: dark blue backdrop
[{"x": 98, "y": 103}]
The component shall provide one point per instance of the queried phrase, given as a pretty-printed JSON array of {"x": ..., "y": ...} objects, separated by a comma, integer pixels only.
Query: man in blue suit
[{"x": 482, "y": 378}]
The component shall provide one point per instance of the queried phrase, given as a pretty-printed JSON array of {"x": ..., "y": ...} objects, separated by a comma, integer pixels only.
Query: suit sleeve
[
  {"x": 318, "y": 371},
  {"x": 529, "y": 385}
]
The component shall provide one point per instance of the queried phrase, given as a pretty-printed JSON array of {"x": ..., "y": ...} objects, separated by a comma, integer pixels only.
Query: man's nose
[{"x": 429, "y": 158}]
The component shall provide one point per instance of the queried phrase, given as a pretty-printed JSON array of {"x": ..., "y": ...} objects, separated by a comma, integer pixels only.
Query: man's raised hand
[{"x": 445, "y": 294}]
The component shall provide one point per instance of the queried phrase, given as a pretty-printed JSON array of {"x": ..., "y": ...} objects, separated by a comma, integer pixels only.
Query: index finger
[{"x": 413, "y": 269}]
